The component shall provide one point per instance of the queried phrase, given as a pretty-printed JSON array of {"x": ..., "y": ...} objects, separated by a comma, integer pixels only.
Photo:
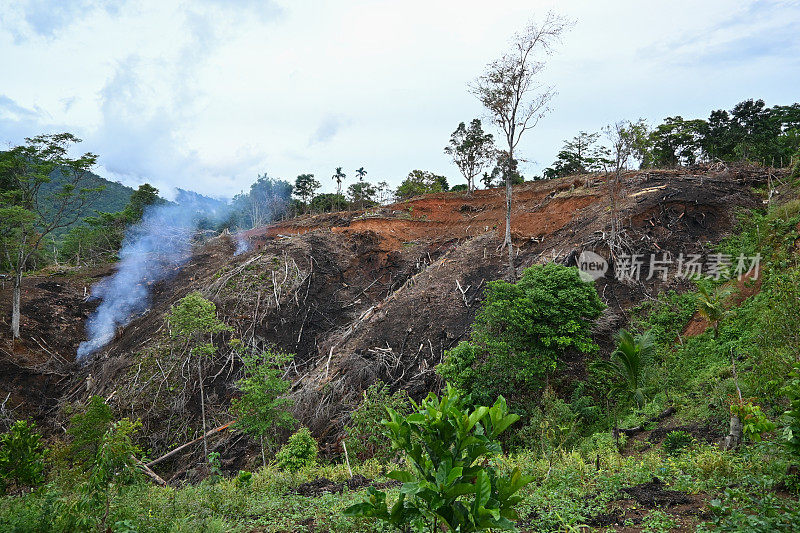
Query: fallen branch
[
  {"x": 183, "y": 446},
  {"x": 152, "y": 475}
]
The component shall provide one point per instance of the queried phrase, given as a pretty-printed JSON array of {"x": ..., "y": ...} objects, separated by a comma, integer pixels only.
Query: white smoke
[{"x": 152, "y": 250}]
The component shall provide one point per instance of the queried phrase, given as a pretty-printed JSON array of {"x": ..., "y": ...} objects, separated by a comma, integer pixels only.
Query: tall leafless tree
[{"x": 511, "y": 91}]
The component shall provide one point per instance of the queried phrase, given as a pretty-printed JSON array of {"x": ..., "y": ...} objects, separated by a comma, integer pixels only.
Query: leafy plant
[
  {"x": 260, "y": 410},
  {"x": 628, "y": 363},
  {"x": 521, "y": 331},
  {"x": 450, "y": 480},
  {"x": 113, "y": 468},
  {"x": 87, "y": 429},
  {"x": 300, "y": 451},
  {"x": 711, "y": 305},
  {"x": 677, "y": 441},
  {"x": 754, "y": 422},
  {"x": 366, "y": 437},
  {"x": 21, "y": 455},
  {"x": 214, "y": 467},
  {"x": 791, "y": 432}
]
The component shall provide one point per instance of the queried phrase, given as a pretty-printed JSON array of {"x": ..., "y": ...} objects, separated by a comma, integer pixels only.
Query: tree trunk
[
  {"x": 512, "y": 274},
  {"x": 202, "y": 407},
  {"x": 734, "y": 437},
  {"x": 15, "y": 306}
]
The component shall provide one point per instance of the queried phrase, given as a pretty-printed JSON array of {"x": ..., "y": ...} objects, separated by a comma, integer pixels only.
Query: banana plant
[{"x": 449, "y": 482}]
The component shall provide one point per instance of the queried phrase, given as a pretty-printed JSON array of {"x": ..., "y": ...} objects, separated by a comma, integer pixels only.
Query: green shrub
[
  {"x": 87, "y": 429},
  {"x": 300, "y": 451},
  {"x": 791, "y": 432},
  {"x": 261, "y": 411},
  {"x": 521, "y": 331},
  {"x": 450, "y": 480},
  {"x": 366, "y": 436},
  {"x": 21, "y": 456},
  {"x": 677, "y": 441},
  {"x": 754, "y": 422}
]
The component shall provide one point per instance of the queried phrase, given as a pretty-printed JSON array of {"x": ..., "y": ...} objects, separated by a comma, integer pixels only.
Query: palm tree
[
  {"x": 628, "y": 363},
  {"x": 361, "y": 173},
  {"x": 339, "y": 177},
  {"x": 710, "y": 305}
]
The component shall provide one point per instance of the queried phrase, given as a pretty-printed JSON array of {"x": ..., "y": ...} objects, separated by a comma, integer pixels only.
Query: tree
[
  {"x": 28, "y": 213},
  {"x": 304, "y": 187},
  {"x": 339, "y": 177},
  {"x": 676, "y": 142},
  {"x": 267, "y": 200},
  {"x": 578, "y": 156},
  {"x": 629, "y": 140},
  {"x": 471, "y": 149},
  {"x": 361, "y": 173},
  {"x": 327, "y": 202},
  {"x": 628, "y": 363},
  {"x": 516, "y": 101},
  {"x": 21, "y": 456},
  {"x": 261, "y": 410},
  {"x": 449, "y": 484},
  {"x": 521, "y": 332},
  {"x": 383, "y": 192},
  {"x": 191, "y": 320},
  {"x": 100, "y": 237},
  {"x": 421, "y": 182},
  {"x": 711, "y": 305},
  {"x": 361, "y": 194}
]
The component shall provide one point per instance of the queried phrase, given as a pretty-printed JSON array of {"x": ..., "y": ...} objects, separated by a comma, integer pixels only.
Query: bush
[
  {"x": 791, "y": 432},
  {"x": 677, "y": 441},
  {"x": 87, "y": 429},
  {"x": 366, "y": 436},
  {"x": 261, "y": 411},
  {"x": 300, "y": 451},
  {"x": 21, "y": 456},
  {"x": 450, "y": 480},
  {"x": 521, "y": 331}
]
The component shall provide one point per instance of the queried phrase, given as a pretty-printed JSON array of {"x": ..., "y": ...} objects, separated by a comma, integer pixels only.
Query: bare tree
[
  {"x": 512, "y": 93},
  {"x": 627, "y": 140}
]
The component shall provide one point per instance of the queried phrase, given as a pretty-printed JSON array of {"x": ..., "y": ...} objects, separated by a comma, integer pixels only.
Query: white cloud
[{"x": 205, "y": 95}]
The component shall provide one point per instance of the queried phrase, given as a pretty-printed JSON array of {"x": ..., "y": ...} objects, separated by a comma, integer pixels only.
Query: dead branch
[{"x": 184, "y": 446}]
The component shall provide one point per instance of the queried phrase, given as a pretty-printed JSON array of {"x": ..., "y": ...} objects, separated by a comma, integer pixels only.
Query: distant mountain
[{"x": 112, "y": 199}]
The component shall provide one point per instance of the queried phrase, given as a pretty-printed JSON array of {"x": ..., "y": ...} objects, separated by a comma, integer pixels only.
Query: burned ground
[{"x": 378, "y": 294}]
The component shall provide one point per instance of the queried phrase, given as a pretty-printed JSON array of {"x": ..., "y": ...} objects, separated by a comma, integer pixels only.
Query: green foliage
[
  {"x": 471, "y": 149},
  {"x": 21, "y": 456},
  {"x": 420, "y": 182},
  {"x": 328, "y": 202},
  {"x": 579, "y": 156},
  {"x": 194, "y": 315},
  {"x": 521, "y": 331},
  {"x": 299, "y": 452},
  {"x": 268, "y": 199},
  {"x": 113, "y": 468},
  {"x": 754, "y": 422},
  {"x": 260, "y": 411},
  {"x": 304, "y": 187},
  {"x": 791, "y": 431},
  {"x": 711, "y": 305},
  {"x": 87, "y": 429},
  {"x": 448, "y": 480},
  {"x": 214, "y": 467},
  {"x": 677, "y": 441},
  {"x": 629, "y": 363},
  {"x": 100, "y": 237},
  {"x": 553, "y": 426},
  {"x": 366, "y": 436}
]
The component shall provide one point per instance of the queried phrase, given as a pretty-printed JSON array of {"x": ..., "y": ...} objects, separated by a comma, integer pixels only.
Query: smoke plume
[{"x": 151, "y": 251}]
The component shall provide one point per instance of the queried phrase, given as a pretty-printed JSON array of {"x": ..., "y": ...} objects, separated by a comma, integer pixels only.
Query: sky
[{"x": 209, "y": 94}]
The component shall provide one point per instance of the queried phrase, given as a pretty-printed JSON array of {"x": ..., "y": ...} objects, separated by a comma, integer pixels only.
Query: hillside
[
  {"x": 112, "y": 199},
  {"x": 382, "y": 294}
]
